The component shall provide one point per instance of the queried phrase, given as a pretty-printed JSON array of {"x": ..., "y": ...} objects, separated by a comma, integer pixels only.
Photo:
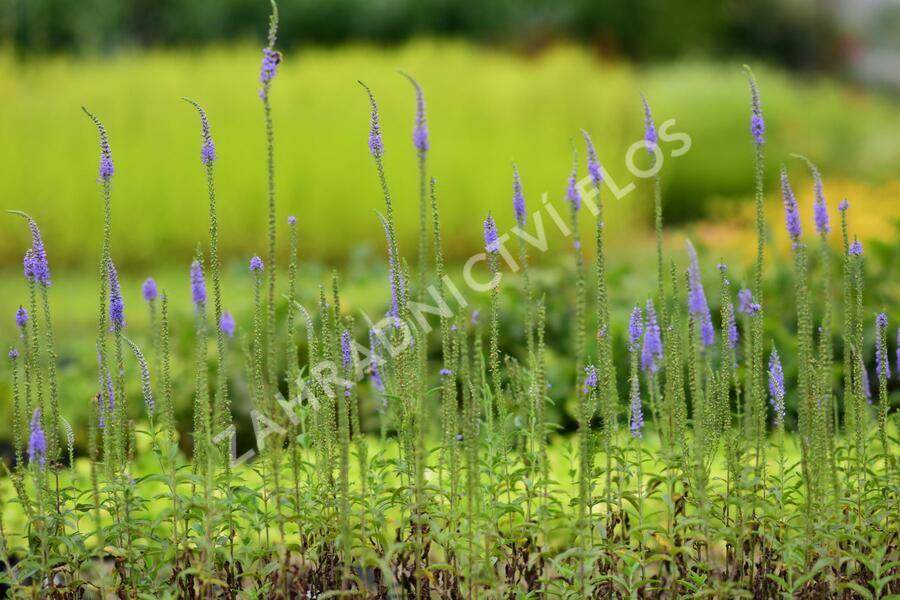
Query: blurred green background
[{"x": 504, "y": 81}]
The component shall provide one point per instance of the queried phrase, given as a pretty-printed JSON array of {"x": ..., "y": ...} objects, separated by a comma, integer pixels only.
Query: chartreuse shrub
[{"x": 411, "y": 455}]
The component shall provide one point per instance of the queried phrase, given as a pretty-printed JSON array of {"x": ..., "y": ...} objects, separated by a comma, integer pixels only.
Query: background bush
[{"x": 799, "y": 33}]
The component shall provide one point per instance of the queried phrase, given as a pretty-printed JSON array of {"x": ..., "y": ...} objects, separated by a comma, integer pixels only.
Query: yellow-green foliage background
[{"x": 486, "y": 109}]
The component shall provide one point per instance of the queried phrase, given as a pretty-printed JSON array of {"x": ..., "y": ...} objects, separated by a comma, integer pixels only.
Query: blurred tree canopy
[{"x": 797, "y": 33}]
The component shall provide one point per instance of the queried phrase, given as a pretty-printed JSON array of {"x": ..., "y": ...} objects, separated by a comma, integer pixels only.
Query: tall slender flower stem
[
  {"x": 221, "y": 414},
  {"x": 755, "y": 393},
  {"x": 574, "y": 199},
  {"x": 450, "y": 419},
  {"x": 271, "y": 59},
  {"x": 421, "y": 144}
]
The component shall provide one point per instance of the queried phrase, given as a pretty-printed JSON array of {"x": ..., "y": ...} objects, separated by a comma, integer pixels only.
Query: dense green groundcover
[{"x": 419, "y": 454}]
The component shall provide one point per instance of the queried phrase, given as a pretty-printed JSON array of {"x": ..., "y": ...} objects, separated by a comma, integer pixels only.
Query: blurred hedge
[{"x": 797, "y": 33}]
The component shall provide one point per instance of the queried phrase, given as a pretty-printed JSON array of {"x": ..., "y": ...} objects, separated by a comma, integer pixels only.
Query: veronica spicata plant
[{"x": 393, "y": 461}]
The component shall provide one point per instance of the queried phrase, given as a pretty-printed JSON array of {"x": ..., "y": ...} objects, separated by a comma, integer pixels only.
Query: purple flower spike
[
  {"x": 347, "y": 358},
  {"x": 757, "y": 124},
  {"x": 28, "y": 265},
  {"x": 227, "y": 324},
  {"x": 757, "y": 129},
  {"x": 149, "y": 290},
  {"x": 518, "y": 198},
  {"x": 36, "y": 267},
  {"x": 116, "y": 303},
  {"x": 256, "y": 264},
  {"x": 856, "y": 248},
  {"x": 776, "y": 387},
  {"x": 707, "y": 332},
  {"x": 635, "y": 328},
  {"x": 475, "y": 314},
  {"x": 376, "y": 146},
  {"x": 208, "y": 147},
  {"x": 637, "y": 416},
  {"x": 446, "y": 372},
  {"x": 745, "y": 300},
  {"x": 652, "y": 352},
  {"x": 37, "y": 441},
  {"x": 697, "y": 304},
  {"x": 346, "y": 350},
  {"x": 107, "y": 168},
  {"x": 198, "y": 284},
  {"x": 696, "y": 295},
  {"x": 13, "y": 354},
  {"x": 420, "y": 131},
  {"x": 268, "y": 70},
  {"x": 572, "y": 194},
  {"x": 881, "y": 359},
  {"x": 146, "y": 388},
  {"x": 593, "y": 164},
  {"x": 292, "y": 220},
  {"x": 732, "y": 328},
  {"x": 590, "y": 379},
  {"x": 844, "y": 205},
  {"x": 820, "y": 208},
  {"x": 491, "y": 242},
  {"x": 791, "y": 213},
  {"x": 208, "y": 151},
  {"x": 21, "y": 317},
  {"x": 650, "y": 135}
]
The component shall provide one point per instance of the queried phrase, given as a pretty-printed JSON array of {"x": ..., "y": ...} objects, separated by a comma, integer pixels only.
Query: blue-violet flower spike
[
  {"x": 791, "y": 213},
  {"x": 37, "y": 441},
  {"x": 227, "y": 324},
  {"x": 116, "y": 304},
  {"x": 518, "y": 198},
  {"x": 150, "y": 290},
  {"x": 198, "y": 284},
  {"x": 491, "y": 242}
]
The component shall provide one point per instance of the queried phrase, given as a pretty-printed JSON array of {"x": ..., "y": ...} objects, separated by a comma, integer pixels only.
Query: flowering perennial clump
[{"x": 453, "y": 456}]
